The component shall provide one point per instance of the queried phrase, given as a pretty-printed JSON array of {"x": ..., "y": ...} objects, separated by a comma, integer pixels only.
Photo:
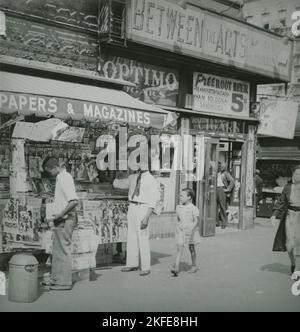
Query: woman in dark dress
[{"x": 287, "y": 210}]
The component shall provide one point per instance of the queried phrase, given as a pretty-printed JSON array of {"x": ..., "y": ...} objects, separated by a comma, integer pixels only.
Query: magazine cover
[
  {"x": 92, "y": 211},
  {"x": 10, "y": 217},
  {"x": 119, "y": 222}
]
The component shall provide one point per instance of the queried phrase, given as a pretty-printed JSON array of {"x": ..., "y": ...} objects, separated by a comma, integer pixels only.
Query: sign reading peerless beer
[{"x": 221, "y": 95}]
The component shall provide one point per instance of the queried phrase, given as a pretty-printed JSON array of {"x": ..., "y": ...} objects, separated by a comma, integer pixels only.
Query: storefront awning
[
  {"x": 215, "y": 115},
  {"x": 43, "y": 97}
]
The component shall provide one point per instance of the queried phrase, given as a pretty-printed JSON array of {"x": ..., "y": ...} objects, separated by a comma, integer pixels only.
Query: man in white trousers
[{"x": 143, "y": 196}]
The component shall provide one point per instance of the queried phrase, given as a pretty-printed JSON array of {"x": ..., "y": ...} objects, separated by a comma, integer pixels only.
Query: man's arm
[
  {"x": 71, "y": 206},
  {"x": 230, "y": 179},
  {"x": 145, "y": 221},
  {"x": 155, "y": 196}
]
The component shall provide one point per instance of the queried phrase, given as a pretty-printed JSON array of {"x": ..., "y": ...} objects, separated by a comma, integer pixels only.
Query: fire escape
[{"x": 112, "y": 22}]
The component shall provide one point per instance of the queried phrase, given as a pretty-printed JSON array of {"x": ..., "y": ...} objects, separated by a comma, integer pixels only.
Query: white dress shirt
[
  {"x": 149, "y": 189},
  {"x": 64, "y": 190},
  {"x": 219, "y": 180}
]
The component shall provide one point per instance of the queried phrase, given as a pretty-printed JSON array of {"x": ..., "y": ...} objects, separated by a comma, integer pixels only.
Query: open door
[{"x": 208, "y": 192}]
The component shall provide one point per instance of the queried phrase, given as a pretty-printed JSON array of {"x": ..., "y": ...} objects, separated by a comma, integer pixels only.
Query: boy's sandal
[{"x": 193, "y": 270}]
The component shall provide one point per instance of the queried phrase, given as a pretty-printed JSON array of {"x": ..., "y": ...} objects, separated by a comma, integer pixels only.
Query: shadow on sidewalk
[
  {"x": 276, "y": 267},
  {"x": 156, "y": 256}
]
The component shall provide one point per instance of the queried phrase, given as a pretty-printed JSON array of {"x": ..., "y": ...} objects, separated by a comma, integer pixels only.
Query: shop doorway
[{"x": 227, "y": 152}]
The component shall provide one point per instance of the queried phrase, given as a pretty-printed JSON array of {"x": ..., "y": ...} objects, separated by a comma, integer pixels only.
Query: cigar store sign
[
  {"x": 64, "y": 108},
  {"x": 153, "y": 84},
  {"x": 220, "y": 95},
  {"x": 209, "y": 36}
]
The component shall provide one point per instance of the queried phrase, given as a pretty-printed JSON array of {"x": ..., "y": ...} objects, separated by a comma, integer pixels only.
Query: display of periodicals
[{"x": 109, "y": 219}]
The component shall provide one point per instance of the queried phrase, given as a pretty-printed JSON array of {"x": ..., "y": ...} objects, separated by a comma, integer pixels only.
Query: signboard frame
[{"x": 209, "y": 36}]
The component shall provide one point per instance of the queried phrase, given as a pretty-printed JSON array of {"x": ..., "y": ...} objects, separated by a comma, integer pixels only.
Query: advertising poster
[
  {"x": 106, "y": 223},
  {"x": 278, "y": 118},
  {"x": 4, "y": 160},
  {"x": 26, "y": 221},
  {"x": 119, "y": 222},
  {"x": 154, "y": 84},
  {"x": 10, "y": 217},
  {"x": 92, "y": 212},
  {"x": 216, "y": 94},
  {"x": 34, "y": 209},
  {"x": 69, "y": 134}
]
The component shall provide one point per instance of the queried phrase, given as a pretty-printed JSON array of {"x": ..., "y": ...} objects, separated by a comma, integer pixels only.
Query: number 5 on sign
[{"x": 237, "y": 102}]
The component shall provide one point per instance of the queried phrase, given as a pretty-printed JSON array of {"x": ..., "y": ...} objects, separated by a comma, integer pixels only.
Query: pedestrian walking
[
  {"x": 187, "y": 231},
  {"x": 225, "y": 185},
  {"x": 287, "y": 210},
  {"x": 143, "y": 197},
  {"x": 65, "y": 202}
]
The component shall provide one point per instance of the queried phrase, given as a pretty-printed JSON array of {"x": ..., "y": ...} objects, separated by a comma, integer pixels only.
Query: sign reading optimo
[
  {"x": 64, "y": 108},
  {"x": 208, "y": 36},
  {"x": 215, "y": 94},
  {"x": 154, "y": 84}
]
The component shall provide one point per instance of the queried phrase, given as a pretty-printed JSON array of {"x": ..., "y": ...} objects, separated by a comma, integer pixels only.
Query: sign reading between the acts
[{"x": 205, "y": 35}]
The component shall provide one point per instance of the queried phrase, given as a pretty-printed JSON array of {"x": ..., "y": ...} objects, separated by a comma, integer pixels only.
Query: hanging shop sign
[
  {"x": 154, "y": 84},
  {"x": 278, "y": 118},
  {"x": 63, "y": 108},
  {"x": 216, "y": 94},
  {"x": 219, "y": 127},
  {"x": 209, "y": 36}
]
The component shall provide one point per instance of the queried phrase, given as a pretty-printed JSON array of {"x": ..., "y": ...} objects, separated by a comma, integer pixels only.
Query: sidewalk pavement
[{"x": 238, "y": 272}]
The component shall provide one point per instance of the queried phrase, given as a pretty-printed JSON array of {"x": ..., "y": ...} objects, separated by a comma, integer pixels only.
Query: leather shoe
[
  {"x": 293, "y": 268},
  {"x": 129, "y": 269},
  {"x": 48, "y": 283},
  {"x": 145, "y": 273},
  {"x": 175, "y": 273}
]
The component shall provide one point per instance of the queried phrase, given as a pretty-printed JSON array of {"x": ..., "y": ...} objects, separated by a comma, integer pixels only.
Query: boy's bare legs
[
  {"x": 193, "y": 256},
  {"x": 179, "y": 251},
  {"x": 293, "y": 260}
]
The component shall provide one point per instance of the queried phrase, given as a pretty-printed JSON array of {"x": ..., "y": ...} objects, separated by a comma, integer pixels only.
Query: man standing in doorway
[
  {"x": 225, "y": 185},
  {"x": 258, "y": 187},
  {"x": 65, "y": 202},
  {"x": 143, "y": 196}
]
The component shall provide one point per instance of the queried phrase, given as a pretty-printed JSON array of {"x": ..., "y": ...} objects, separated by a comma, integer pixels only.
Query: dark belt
[{"x": 294, "y": 208}]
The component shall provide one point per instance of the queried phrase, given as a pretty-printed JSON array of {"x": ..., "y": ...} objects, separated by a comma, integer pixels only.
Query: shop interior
[{"x": 230, "y": 153}]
